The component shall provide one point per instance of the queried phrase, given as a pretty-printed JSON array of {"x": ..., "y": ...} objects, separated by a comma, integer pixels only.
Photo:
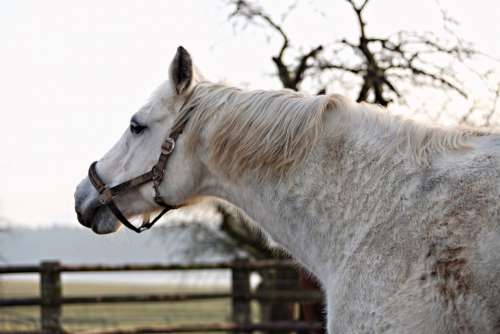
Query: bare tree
[{"x": 384, "y": 64}]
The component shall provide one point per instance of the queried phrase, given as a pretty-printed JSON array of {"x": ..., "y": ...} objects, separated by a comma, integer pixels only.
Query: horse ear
[{"x": 181, "y": 71}]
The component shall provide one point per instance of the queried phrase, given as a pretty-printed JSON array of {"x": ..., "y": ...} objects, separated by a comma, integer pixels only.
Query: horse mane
[
  {"x": 271, "y": 132},
  {"x": 265, "y": 131},
  {"x": 415, "y": 141}
]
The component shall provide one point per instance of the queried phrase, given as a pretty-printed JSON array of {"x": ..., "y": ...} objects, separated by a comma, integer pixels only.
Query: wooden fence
[{"x": 51, "y": 298}]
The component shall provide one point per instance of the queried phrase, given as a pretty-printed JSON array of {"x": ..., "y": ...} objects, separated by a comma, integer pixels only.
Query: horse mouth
[
  {"x": 82, "y": 220},
  {"x": 103, "y": 221},
  {"x": 97, "y": 229},
  {"x": 100, "y": 220}
]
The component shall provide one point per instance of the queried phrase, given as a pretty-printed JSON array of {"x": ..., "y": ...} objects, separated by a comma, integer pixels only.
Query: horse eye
[{"x": 136, "y": 128}]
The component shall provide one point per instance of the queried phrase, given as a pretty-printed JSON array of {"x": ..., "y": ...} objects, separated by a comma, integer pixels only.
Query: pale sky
[{"x": 73, "y": 72}]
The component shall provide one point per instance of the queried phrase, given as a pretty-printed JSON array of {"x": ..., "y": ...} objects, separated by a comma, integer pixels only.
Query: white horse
[{"x": 399, "y": 221}]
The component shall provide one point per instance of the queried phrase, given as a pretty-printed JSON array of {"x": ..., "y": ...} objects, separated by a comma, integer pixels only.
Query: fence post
[
  {"x": 240, "y": 278},
  {"x": 51, "y": 295}
]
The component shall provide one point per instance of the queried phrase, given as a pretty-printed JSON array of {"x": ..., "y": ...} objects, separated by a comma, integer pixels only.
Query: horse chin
[{"x": 105, "y": 222}]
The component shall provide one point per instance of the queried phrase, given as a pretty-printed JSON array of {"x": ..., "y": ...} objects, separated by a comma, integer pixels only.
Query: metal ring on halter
[{"x": 168, "y": 146}]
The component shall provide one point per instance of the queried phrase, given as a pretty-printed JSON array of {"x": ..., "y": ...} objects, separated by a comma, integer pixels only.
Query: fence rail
[
  {"x": 51, "y": 298},
  {"x": 249, "y": 265},
  {"x": 225, "y": 327},
  {"x": 281, "y": 296}
]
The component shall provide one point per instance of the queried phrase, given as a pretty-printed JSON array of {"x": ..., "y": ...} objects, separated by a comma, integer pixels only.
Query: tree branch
[
  {"x": 345, "y": 68},
  {"x": 423, "y": 73},
  {"x": 303, "y": 66},
  {"x": 247, "y": 10},
  {"x": 289, "y": 75},
  {"x": 382, "y": 63},
  {"x": 359, "y": 15}
]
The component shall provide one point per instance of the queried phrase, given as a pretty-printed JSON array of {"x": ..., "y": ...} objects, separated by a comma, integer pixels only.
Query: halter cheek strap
[{"x": 155, "y": 175}]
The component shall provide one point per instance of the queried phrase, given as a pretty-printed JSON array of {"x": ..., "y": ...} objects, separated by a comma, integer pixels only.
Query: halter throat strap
[{"x": 107, "y": 196}]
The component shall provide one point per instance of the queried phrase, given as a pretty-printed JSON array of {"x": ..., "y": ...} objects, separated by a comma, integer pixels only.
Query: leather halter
[{"x": 156, "y": 174}]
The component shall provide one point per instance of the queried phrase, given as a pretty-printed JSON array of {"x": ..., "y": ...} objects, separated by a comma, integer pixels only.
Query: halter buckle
[
  {"x": 157, "y": 173},
  {"x": 168, "y": 146}
]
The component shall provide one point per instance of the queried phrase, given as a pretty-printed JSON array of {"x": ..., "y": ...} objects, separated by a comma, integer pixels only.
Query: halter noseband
[{"x": 156, "y": 174}]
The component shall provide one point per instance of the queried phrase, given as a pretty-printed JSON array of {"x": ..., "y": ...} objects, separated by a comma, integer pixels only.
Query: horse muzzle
[{"x": 90, "y": 212}]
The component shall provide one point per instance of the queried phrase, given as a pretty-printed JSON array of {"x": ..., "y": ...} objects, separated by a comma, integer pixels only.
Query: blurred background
[{"x": 72, "y": 74}]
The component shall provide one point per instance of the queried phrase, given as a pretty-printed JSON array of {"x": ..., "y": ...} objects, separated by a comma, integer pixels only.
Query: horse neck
[{"x": 317, "y": 215}]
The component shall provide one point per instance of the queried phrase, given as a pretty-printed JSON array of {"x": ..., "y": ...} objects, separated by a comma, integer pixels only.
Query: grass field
[{"x": 108, "y": 316}]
